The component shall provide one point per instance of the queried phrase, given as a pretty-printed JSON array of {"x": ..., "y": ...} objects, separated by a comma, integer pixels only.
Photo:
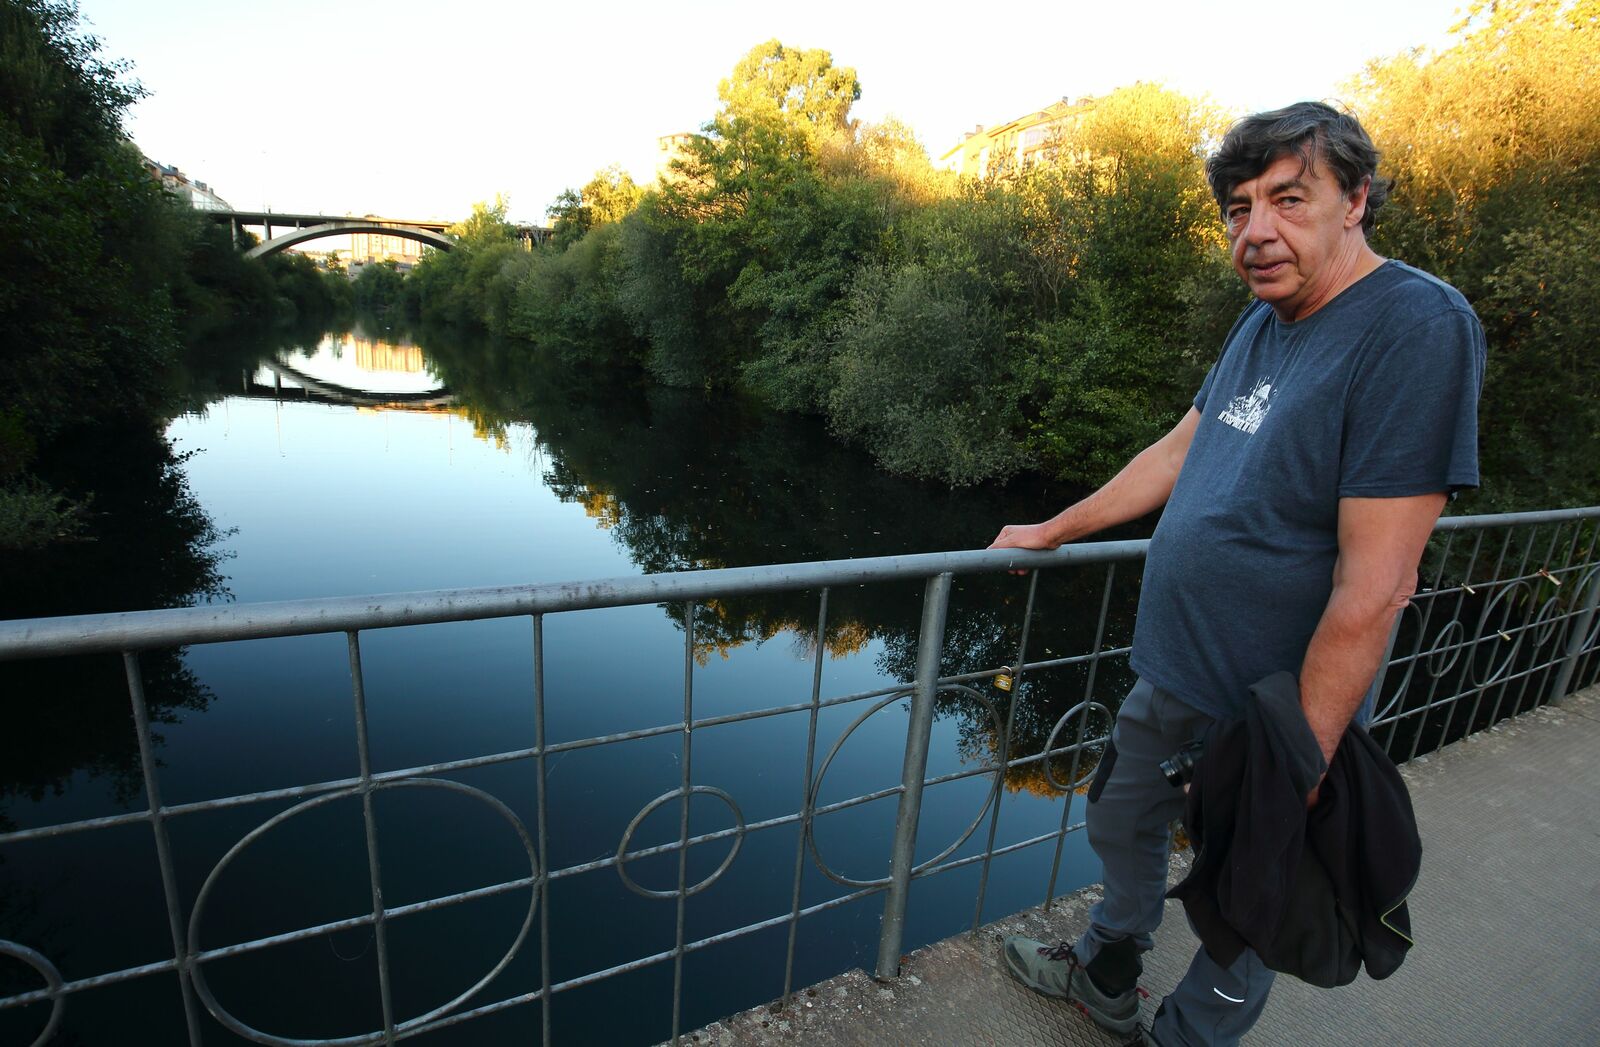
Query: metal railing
[{"x": 1505, "y": 620}]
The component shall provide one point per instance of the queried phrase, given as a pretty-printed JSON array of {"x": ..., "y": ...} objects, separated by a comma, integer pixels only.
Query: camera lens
[{"x": 1179, "y": 767}]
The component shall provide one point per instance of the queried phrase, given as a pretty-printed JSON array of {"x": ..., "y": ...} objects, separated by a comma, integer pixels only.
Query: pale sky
[{"x": 416, "y": 108}]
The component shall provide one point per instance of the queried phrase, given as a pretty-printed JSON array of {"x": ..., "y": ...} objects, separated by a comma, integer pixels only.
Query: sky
[{"x": 417, "y": 108}]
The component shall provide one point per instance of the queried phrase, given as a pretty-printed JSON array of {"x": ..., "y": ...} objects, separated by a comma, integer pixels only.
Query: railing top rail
[
  {"x": 1542, "y": 516},
  {"x": 184, "y": 626}
]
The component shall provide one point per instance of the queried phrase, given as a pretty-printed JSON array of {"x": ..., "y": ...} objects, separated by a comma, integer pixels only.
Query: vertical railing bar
[
  {"x": 1569, "y": 569},
  {"x": 169, "y": 874},
  {"x": 1376, "y": 687},
  {"x": 1580, "y": 634},
  {"x": 1583, "y": 667},
  {"x": 374, "y": 869},
  {"x": 1533, "y": 659},
  {"x": 1585, "y": 663},
  {"x": 683, "y": 818},
  {"x": 1433, "y": 688},
  {"x": 1521, "y": 638},
  {"x": 1505, "y": 614},
  {"x": 805, "y": 795},
  {"x": 1005, "y": 748},
  {"x": 543, "y": 817},
  {"x": 1083, "y": 720},
  {"x": 1416, "y": 648},
  {"x": 919, "y": 729}
]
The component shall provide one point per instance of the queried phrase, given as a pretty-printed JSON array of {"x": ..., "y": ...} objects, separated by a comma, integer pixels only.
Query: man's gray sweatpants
[{"x": 1128, "y": 823}]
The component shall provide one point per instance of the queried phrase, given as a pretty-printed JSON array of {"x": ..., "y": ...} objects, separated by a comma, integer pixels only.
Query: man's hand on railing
[{"x": 1025, "y": 536}]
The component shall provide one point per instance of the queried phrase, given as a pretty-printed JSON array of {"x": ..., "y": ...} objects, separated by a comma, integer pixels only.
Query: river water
[{"x": 359, "y": 463}]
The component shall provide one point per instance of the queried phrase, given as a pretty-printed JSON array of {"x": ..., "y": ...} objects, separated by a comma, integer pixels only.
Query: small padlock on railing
[{"x": 1003, "y": 681}]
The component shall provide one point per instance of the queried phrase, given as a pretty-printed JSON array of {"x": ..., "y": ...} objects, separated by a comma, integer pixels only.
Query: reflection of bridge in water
[{"x": 307, "y": 389}]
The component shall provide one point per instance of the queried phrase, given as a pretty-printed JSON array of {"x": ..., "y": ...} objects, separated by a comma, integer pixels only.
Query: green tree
[
  {"x": 801, "y": 92},
  {"x": 890, "y": 153},
  {"x": 1060, "y": 317},
  {"x": 487, "y": 223},
  {"x": 1125, "y": 244},
  {"x": 721, "y": 216},
  {"x": 1488, "y": 133},
  {"x": 607, "y": 197},
  {"x": 919, "y": 377},
  {"x": 1494, "y": 143},
  {"x": 378, "y": 288},
  {"x": 84, "y": 295},
  {"x": 566, "y": 301},
  {"x": 57, "y": 90}
]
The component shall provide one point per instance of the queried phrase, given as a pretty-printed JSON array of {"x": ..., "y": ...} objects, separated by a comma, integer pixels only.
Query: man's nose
[{"x": 1259, "y": 227}]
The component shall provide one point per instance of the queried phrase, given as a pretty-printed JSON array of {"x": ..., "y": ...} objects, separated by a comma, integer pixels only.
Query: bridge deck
[{"x": 1507, "y": 917}]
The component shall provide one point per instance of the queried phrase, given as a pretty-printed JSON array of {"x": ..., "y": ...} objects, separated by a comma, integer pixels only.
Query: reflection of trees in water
[
  {"x": 150, "y": 544},
  {"x": 984, "y": 631},
  {"x": 684, "y": 481},
  {"x": 209, "y": 368}
]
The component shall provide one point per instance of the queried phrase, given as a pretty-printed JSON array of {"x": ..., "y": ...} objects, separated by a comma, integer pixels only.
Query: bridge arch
[
  {"x": 316, "y": 232},
  {"x": 330, "y": 392}
]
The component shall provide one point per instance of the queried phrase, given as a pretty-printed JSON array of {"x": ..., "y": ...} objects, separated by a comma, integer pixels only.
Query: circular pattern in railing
[
  {"x": 1580, "y": 600},
  {"x": 1446, "y": 649},
  {"x": 52, "y": 981},
  {"x": 1500, "y": 635},
  {"x": 1500, "y": 629},
  {"x": 822, "y": 771},
  {"x": 197, "y": 972},
  {"x": 1547, "y": 625},
  {"x": 1083, "y": 710},
  {"x": 1379, "y": 715},
  {"x": 650, "y": 808}
]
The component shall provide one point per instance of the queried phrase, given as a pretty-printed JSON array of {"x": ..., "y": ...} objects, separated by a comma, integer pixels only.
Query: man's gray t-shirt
[{"x": 1375, "y": 395}]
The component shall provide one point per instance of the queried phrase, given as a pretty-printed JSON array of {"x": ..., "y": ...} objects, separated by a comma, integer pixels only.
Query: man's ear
[{"x": 1356, "y": 203}]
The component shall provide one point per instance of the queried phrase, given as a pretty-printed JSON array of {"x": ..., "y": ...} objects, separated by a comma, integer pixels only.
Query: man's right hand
[{"x": 1025, "y": 536}]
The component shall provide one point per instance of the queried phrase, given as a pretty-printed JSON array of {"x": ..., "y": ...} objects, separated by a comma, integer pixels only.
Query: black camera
[{"x": 1179, "y": 767}]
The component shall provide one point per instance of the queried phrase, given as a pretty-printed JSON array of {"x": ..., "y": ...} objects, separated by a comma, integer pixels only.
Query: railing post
[
  {"x": 930, "y": 644},
  {"x": 1575, "y": 645}
]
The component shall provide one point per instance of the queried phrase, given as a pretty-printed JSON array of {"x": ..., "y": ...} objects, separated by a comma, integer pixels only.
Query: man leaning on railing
[{"x": 1299, "y": 490}]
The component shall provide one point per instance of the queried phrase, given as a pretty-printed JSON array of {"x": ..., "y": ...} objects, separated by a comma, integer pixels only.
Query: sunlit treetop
[
  {"x": 486, "y": 224},
  {"x": 1517, "y": 91},
  {"x": 799, "y": 88}
]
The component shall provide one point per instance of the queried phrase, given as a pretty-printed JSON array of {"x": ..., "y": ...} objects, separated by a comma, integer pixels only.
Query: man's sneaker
[{"x": 1054, "y": 970}]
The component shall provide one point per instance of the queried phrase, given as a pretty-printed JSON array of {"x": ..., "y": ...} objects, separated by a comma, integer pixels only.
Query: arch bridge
[{"x": 299, "y": 228}]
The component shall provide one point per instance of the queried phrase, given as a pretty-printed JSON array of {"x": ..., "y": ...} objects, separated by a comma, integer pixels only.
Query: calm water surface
[{"x": 492, "y": 471}]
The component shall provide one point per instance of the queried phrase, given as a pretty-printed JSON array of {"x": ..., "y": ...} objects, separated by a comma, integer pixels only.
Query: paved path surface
[{"x": 1507, "y": 920}]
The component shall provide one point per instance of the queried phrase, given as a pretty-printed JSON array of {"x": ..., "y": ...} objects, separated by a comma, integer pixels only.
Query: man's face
[{"x": 1294, "y": 235}]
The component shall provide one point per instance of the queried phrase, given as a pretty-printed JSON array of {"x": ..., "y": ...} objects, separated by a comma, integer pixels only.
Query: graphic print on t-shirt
[{"x": 1246, "y": 413}]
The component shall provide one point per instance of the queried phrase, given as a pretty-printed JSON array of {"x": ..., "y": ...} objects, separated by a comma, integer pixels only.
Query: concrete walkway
[{"x": 1506, "y": 916}]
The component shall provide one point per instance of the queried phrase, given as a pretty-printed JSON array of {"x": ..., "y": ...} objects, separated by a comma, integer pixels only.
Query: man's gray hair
[{"x": 1313, "y": 131}]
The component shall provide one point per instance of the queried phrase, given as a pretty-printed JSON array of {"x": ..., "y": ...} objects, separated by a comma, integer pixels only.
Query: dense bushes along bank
[
  {"x": 102, "y": 274},
  {"x": 1060, "y": 317}
]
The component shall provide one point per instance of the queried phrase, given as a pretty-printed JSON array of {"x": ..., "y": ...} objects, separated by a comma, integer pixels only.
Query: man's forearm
[
  {"x": 1343, "y": 658},
  {"x": 1143, "y": 486},
  {"x": 1380, "y": 543}
]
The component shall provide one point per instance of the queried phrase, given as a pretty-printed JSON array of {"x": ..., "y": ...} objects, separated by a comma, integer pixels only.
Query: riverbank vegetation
[
  {"x": 1059, "y": 317},
  {"x": 103, "y": 275}
]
